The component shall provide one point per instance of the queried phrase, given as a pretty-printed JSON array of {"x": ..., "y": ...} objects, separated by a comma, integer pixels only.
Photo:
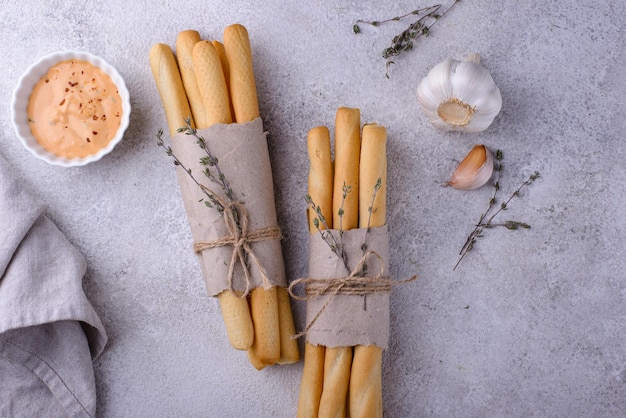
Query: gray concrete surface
[{"x": 531, "y": 323}]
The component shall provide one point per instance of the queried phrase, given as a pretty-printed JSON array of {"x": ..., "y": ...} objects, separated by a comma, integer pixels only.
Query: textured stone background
[{"x": 530, "y": 324}]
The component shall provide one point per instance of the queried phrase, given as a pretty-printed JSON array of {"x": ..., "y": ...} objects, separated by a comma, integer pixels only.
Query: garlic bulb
[
  {"x": 474, "y": 171},
  {"x": 460, "y": 95}
]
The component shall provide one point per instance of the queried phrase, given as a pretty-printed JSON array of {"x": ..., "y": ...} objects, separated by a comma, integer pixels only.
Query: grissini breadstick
[
  {"x": 212, "y": 87},
  {"x": 264, "y": 310},
  {"x": 373, "y": 166},
  {"x": 338, "y": 360},
  {"x": 256, "y": 363},
  {"x": 366, "y": 375},
  {"x": 263, "y": 302},
  {"x": 219, "y": 47},
  {"x": 185, "y": 41},
  {"x": 170, "y": 86},
  {"x": 347, "y": 154},
  {"x": 242, "y": 83},
  {"x": 211, "y": 83},
  {"x": 312, "y": 380},
  {"x": 237, "y": 320},
  {"x": 366, "y": 383},
  {"x": 320, "y": 175},
  {"x": 320, "y": 189},
  {"x": 289, "y": 351}
]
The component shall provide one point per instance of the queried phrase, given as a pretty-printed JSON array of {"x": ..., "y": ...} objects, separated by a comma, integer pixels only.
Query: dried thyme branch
[
  {"x": 346, "y": 189},
  {"x": 375, "y": 23},
  {"x": 505, "y": 205},
  {"x": 476, "y": 232},
  {"x": 325, "y": 234},
  {"x": 404, "y": 41},
  {"x": 508, "y": 225},
  {"x": 370, "y": 210},
  {"x": 320, "y": 221},
  {"x": 482, "y": 224},
  {"x": 213, "y": 200},
  {"x": 209, "y": 161}
]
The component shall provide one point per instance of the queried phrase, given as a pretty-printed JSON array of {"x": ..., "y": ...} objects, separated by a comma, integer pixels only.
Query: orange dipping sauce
[{"x": 74, "y": 110}]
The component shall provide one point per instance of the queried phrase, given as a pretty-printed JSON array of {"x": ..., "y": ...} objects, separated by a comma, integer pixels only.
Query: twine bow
[
  {"x": 236, "y": 220},
  {"x": 353, "y": 284}
]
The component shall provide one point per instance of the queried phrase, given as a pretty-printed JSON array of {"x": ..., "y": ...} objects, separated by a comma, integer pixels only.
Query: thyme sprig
[
  {"x": 322, "y": 226},
  {"x": 337, "y": 247},
  {"x": 346, "y": 190},
  {"x": 213, "y": 200},
  {"x": 486, "y": 218},
  {"x": 209, "y": 161},
  {"x": 211, "y": 171},
  {"x": 405, "y": 40},
  {"x": 370, "y": 210},
  {"x": 320, "y": 221}
]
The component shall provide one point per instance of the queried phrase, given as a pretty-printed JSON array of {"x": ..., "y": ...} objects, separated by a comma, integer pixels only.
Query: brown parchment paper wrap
[
  {"x": 241, "y": 150},
  {"x": 348, "y": 320}
]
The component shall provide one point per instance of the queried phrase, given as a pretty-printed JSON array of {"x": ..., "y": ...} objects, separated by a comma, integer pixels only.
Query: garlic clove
[
  {"x": 474, "y": 171},
  {"x": 459, "y": 95}
]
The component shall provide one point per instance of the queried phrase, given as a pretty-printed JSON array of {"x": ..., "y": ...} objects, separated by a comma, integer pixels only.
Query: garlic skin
[
  {"x": 474, "y": 171},
  {"x": 460, "y": 95}
]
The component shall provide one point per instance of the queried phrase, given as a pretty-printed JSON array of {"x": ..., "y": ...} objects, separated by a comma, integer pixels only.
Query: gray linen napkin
[{"x": 49, "y": 332}]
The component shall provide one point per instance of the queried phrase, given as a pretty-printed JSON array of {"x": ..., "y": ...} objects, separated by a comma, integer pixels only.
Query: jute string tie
[
  {"x": 353, "y": 284},
  {"x": 236, "y": 221}
]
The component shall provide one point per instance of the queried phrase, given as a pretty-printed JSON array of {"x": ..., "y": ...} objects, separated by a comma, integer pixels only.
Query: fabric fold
[{"x": 49, "y": 331}]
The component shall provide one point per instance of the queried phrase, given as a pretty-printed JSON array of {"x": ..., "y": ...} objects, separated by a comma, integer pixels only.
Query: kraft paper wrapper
[
  {"x": 241, "y": 150},
  {"x": 348, "y": 320}
]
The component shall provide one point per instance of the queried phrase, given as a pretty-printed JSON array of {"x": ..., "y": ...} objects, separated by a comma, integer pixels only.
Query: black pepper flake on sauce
[
  {"x": 94, "y": 132},
  {"x": 67, "y": 89},
  {"x": 95, "y": 117},
  {"x": 87, "y": 139},
  {"x": 47, "y": 80},
  {"x": 62, "y": 102}
]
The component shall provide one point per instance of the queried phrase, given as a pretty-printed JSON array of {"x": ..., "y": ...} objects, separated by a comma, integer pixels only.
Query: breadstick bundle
[
  {"x": 347, "y": 291},
  {"x": 218, "y": 143}
]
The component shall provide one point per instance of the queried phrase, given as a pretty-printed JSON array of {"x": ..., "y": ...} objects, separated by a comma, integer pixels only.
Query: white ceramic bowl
[{"x": 22, "y": 93}]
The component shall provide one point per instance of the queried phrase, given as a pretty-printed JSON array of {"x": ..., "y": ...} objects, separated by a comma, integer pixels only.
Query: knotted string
[
  {"x": 353, "y": 284},
  {"x": 236, "y": 220}
]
